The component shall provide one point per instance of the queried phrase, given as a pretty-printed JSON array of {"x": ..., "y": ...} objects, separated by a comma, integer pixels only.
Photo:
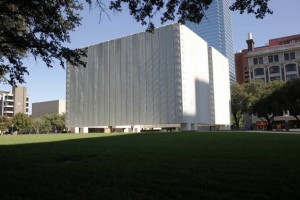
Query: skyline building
[{"x": 216, "y": 29}]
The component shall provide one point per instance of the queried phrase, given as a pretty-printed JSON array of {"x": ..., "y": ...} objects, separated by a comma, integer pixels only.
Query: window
[
  {"x": 291, "y": 76},
  {"x": 259, "y": 71},
  {"x": 286, "y": 56},
  {"x": 9, "y": 98},
  {"x": 275, "y": 78},
  {"x": 270, "y": 58},
  {"x": 274, "y": 69},
  {"x": 292, "y": 56},
  {"x": 289, "y": 56},
  {"x": 8, "y": 103},
  {"x": 259, "y": 60},
  {"x": 8, "y": 109},
  {"x": 273, "y": 58},
  {"x": 255, "y": 61},
  {"x": 290, "y": 67},
  {"x": 9, "y": 114}
]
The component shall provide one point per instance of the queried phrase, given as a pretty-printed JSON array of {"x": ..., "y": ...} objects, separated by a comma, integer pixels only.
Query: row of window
[
  {"x": 278, "y": 78},
  {"x": 8, "y": 103},
  {"x": 274, "y": 58},
  {"x": 275, "y": 69},
  {"x": 8, "y": 109},
  {"x": 290, "y": 41}
]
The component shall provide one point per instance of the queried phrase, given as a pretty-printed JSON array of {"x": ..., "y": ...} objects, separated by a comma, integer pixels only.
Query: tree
[
  {"x": 240, "y": 103},
  {"x": 42, "y": 28},
  {"x": 22, "y": 123},
  {"x": 36, "y": 125},
  {"x": 290, "y": 97},
  {"x": 41, "y": 125},
  {"x": 37, "y": 28},
  {"x": 268, "y": 105},
  {"x": 5, "y": 123},
  {"x": 183, "y": 10},
  {"x": 56, "y": 121}
]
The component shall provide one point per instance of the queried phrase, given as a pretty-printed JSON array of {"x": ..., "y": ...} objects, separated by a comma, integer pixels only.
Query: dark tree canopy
[
  {"x": 38, "y": 28},
  {"x": 184, "y": 10},
  {"x": 41, "y": 28}
]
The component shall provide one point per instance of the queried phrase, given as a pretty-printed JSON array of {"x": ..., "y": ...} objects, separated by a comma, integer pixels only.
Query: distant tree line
[
  {"x": 265, "y": 100},
  {"x": 23, "y": 124}
]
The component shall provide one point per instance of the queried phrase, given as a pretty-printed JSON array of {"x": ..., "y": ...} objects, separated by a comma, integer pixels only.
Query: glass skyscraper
[{"x": 216, "y": 29}]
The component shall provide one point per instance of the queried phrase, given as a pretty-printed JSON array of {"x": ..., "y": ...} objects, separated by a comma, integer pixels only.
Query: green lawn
[{"x": 150, "y": 166}]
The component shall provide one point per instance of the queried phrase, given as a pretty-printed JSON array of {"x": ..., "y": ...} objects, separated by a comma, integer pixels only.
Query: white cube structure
[{"x": 145, "y": 80}]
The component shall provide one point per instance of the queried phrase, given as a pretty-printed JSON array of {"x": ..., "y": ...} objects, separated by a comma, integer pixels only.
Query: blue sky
[{"x": 49, "y": 84}]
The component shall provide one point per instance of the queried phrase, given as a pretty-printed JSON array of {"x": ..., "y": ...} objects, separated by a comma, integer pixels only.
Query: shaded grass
[{"x": 150, "y": 166}]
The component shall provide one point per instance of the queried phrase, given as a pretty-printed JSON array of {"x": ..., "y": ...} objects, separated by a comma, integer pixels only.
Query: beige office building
[
  {"x": 15, "y": 101},
  {"x": 48, "y": 107}
]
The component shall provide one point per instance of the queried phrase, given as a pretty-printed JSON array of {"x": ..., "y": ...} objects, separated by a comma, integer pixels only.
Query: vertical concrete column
[
  {"x": 136, "y": 128},
  {"x": 194, "y": 127},
  {"x": 75, "y": 129},
  {"x": 127, "y": 130},
  {"x": 84, "y": 130},
  {"x": 108, "y": 129},
  {"x": 185, "y": 126}
]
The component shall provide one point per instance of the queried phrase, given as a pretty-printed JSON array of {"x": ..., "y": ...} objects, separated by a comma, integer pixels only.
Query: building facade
[
  {"x": 149, "y": 80},
  {"x": 48, "y": 107},
  {"x": 15, "y": 101},
  {"x": 216, "y": 29},
  {"x": 279, "y": 60}
]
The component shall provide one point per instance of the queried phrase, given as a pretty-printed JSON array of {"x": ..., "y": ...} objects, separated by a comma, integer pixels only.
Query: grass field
[{"x": 150, "y": 166}]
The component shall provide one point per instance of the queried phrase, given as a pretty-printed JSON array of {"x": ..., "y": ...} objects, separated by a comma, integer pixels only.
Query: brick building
[{"x": 279, "y": 60}]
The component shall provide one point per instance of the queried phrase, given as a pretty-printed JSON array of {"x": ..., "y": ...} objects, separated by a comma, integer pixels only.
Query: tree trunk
[
  {"x": 270, "y": 122},
  {"x": 237, "y": 121}
]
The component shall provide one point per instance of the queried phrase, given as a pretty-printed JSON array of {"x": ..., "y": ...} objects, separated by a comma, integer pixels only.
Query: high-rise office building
[{"x": 215, "y": 28}]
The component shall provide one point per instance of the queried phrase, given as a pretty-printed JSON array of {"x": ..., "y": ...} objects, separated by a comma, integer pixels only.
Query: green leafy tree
[
  {"x": 240, "y": 104},
  {"x": 184, "y": 10},
  {"x": 42, "y": 28},
  {"x": 22, "y": 123},
  {"x": 267, "y": 104},
  {"x": 38, "y": 28},
  {"x": 41, "y": 125},
  {"x": 56, "y": 121},
  {"x": 5, "y": 123},
  {"x": 255, "y": 90},
  {"x": 36, "y": 125},
  {"x": 290, "y": 97}
]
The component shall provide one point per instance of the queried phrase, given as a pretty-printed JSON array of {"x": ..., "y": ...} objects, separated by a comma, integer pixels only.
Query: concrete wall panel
[{"x": 221, "y": 87}]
